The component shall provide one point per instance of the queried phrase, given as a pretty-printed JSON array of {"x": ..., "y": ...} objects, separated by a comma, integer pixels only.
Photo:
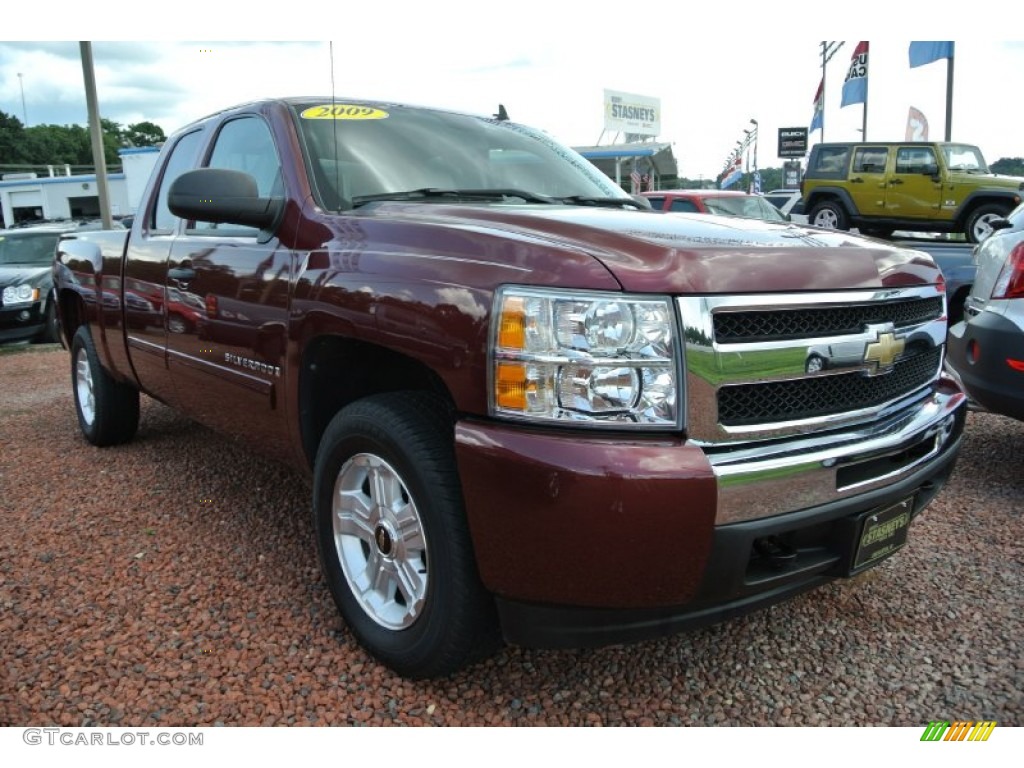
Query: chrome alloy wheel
[
  {"x": 982, "y": 228},
  {"x": 83, "y": 387},
  {"x": 826, "y": 218},
  {"x": 380, "y": 541}
]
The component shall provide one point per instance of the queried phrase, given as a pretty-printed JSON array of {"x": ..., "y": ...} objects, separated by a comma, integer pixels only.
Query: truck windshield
[
  {"x": 360, "y": 152},
  {"x": 35, "y": 248}
]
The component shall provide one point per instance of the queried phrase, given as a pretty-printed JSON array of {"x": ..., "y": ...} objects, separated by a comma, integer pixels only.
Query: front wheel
[
  {"x": 393, "y": 539},
  {"x": 829, "y": 214},
  {"x": 978, "y": 225},
  {"x": 108, "y": 411},
  {"x": 51, "y": 328}
]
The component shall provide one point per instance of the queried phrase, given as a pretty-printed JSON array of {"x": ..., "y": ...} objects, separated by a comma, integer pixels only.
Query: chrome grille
[
  {"x": 775, "y": 324},
  {"x": 822, "y": 395},
  {"x": 764, "y": 366}
]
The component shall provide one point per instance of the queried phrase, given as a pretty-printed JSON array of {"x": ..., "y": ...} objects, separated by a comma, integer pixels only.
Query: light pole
[
  {"x": 753, "y": 122},
  {"x": 24, "y": 112}
]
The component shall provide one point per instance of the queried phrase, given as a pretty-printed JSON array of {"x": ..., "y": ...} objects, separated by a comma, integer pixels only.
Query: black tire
[
  {"x": 111, "y": 416},
  {"x": 976, "y": 226},
  {"x": 815, "y": 363},
  {"x": 829, "y": 214},
  {"x": 177, "y": 324},
  {"x": 51, "y": 329},
  {"x": 883, "y": 232},
  {"x": 440, "y": 617}
]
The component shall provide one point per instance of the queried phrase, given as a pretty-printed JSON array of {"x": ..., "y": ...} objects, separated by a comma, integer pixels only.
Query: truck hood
[
  {"x": 16, "y": 274},
  {"x": 695, "y": 253}
]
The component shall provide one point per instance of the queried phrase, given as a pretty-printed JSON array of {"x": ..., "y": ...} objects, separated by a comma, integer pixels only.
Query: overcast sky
[{"x": 547, "y": 62}]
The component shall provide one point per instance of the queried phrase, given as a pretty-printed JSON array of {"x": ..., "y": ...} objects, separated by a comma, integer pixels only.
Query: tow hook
[{"x": 777, "y": 553}]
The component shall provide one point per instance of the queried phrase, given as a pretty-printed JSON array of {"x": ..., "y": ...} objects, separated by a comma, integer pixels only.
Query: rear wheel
[
  {"x": 393, "y": 539},
  {"x": 829, "y": 214},
  {"x": 978, "y": 225},
  {"x": 176, "y": 324},
  {"x": 108, "y": 411}
]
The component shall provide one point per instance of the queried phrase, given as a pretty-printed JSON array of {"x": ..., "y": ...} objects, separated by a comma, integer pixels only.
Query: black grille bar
[
  {"x": 775, "y": 401},
  {"x": 781, "y": 324}
]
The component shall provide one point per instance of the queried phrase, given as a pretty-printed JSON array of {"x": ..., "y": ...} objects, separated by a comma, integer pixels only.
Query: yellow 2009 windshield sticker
[{"x": 343, "y": 112}]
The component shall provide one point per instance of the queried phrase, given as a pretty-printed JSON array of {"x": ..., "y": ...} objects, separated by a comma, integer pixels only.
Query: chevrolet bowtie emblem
[{"x": 883, "y": 353}]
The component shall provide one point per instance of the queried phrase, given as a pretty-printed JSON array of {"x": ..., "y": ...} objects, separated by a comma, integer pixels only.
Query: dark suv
[
  {"x": 916, "y": 186},
  {"x": 27, "y": 312}
]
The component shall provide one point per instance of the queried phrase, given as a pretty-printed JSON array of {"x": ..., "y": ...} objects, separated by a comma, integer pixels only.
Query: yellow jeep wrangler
[{"x": 880, "y": 187}]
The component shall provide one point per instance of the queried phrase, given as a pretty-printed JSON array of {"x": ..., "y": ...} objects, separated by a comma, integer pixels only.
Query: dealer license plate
[{"x": 882, "y": 533}]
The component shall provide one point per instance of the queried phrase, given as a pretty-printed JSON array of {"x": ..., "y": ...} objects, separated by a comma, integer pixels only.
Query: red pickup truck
[{"x": 530, "y": 407}]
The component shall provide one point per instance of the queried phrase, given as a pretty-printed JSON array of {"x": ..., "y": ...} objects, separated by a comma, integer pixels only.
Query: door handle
[
  {"x": 857, "y": 180},
  {"x": 896, "y": 181}
]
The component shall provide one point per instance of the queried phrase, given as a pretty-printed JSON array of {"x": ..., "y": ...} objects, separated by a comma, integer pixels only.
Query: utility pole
[
  {"x": 828, "y": 50},
  {"x": 98, "y": 156}
]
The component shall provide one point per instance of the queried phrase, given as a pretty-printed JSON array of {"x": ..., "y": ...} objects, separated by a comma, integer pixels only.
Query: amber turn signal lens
[
  {"x": 510, "y": 386},
  {"x": 512, "y": 328}
]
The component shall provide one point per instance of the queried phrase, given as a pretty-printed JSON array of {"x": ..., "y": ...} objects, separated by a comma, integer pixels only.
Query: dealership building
[{"x": 26, "y": 197}]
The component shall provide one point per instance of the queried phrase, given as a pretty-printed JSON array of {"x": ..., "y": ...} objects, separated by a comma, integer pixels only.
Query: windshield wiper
[
  {"x": 434, "y": 193},
  {"x": 604, "y": 202}
]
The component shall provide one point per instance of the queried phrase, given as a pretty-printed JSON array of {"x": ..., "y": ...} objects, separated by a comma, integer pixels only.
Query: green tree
[
  {"x": 57, "y": 144},
  {"x": 1009, "y": 166},
  {"x": 144, "y": 134},
  {"x": 12, "y": 140}
]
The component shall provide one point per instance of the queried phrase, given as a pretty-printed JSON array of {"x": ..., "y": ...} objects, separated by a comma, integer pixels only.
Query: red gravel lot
[{"x": 173, "y": 582}]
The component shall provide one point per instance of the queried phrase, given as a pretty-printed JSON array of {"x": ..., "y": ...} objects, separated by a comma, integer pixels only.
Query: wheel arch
[
  {"x": 72, "y": 314},
  {"x": 985, "y": 197},
  {"x": 838, "y": 194},
  {"x": 336, "y": 371}
]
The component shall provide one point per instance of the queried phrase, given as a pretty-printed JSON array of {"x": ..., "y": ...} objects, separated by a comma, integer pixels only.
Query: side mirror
[{"x": 221, "y": 196}]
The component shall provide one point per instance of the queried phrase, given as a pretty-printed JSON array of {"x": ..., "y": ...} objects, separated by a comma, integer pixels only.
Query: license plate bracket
[{"x": 880, "y": 533}]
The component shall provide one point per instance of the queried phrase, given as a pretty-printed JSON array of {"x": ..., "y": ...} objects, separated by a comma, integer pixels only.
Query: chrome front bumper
[{"x": 766, "y": 479}]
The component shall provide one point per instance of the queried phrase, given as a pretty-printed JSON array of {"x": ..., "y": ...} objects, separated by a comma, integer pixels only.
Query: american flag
[{"x": 636, "y": 178}]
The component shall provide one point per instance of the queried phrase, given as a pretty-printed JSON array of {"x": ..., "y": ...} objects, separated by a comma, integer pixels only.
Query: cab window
[
  {"x": 245, "y": 144},
  {"x": 681, "y": 204},
  {"x": 915, "y": 160},
  {"x": 181, "y": 159}
]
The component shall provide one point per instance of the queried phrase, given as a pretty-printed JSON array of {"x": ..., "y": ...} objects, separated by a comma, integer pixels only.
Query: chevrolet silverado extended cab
[{"x": 529, "y": 407}]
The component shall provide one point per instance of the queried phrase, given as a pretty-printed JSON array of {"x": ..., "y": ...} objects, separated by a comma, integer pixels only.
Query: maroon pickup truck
[{"x": 530, "y": 408}]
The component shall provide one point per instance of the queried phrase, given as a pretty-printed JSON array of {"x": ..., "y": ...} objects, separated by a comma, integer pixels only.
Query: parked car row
[{"x": 986, "y": 349}]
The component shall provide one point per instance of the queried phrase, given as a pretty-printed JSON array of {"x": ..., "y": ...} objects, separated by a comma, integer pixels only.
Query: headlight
[
  {"x": 20, "y": 294},
  {"x": 593, "y": 359}
]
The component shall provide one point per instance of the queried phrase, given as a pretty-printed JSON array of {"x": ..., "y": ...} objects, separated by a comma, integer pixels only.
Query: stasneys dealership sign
[
  {"x": 630, "y": 113},
  {"x": 792, "y": 142}
]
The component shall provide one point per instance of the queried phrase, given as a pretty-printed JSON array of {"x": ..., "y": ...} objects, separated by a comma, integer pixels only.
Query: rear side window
[
  {"x": 657, "y": 203},
  {"x": 686, "y": 206},
  {"x": 181, "y": 159},
  {"x": 831, "y": 161},
  {"x": 870, "y": 160}
]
